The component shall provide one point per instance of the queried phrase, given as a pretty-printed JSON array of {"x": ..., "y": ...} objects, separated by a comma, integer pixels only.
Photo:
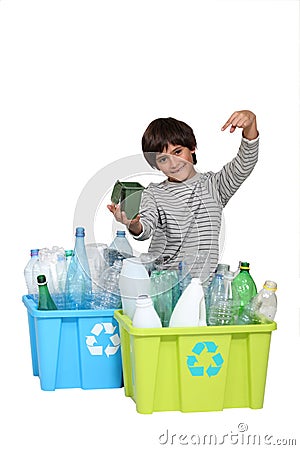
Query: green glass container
[{"x": 45, "y": 300}]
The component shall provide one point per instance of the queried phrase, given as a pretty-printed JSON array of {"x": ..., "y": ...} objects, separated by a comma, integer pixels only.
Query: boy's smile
[{"x": 176, "y": 162}]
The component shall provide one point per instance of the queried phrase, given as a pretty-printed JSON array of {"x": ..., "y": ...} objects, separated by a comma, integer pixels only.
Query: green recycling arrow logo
[{"x": 214, "y": 366}]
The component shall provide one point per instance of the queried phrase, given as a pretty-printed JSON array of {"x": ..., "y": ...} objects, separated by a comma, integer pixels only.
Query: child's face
[{"x": 176, "y": 162}]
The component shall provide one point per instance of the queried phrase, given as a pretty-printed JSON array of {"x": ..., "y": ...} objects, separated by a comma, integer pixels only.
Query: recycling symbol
[
  {"x": 108, "y": 337},
  {"x": 215, "y": 364}
]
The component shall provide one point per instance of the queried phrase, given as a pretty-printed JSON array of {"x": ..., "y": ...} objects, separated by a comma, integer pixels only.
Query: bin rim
[
  {"x": 53, "y": 314},
  {"x": 126, "y": 323}
]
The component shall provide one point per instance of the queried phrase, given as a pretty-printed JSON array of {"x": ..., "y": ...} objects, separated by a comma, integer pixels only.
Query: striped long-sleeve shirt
[{"x": 185, "y": 217}]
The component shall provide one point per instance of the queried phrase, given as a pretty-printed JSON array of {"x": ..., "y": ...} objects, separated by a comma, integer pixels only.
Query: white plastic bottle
[
  {"x": 187, "y": 310},
  {"x": 31, "y": 284},
  {"x": 145, "y": 315},
  {"x": 133, "y": 281}
]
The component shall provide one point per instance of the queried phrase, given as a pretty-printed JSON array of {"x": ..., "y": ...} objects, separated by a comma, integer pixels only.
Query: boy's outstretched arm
[
  {"x": 133, "y": 225},
  {"x": 243, "y": 119}
]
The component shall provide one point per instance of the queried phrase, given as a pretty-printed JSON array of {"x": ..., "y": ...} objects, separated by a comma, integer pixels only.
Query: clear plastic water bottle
[
  {"x": 261, "y": 308},
  {"x": 145, "y": 315},
  {"x": 110, "y": 296},
  {"x": 96, "y": 253},
  {"x": 78, "y": 283},
  {"x": 119, "y": 247},
  {"x": 230, "y": 295},
  {"x": 221, "y": 269},
  {"x": 220, "y": 310},
  {"x": 42, "y": 267},
  {"x": 32, "y": 287}
]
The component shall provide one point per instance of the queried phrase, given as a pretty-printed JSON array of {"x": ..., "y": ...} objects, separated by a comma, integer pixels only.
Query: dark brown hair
[{"x": 162, "y": 132}]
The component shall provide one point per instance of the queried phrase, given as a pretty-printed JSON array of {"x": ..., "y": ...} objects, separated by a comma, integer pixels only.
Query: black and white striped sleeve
[{"x": 233, "y": 174}]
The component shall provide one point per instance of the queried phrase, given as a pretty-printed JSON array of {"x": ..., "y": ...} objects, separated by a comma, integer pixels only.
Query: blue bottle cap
[
  {"x": 80, "y": 232},
  {"x": 120, "y": 233},
  {"x": 34, "y": 252}
]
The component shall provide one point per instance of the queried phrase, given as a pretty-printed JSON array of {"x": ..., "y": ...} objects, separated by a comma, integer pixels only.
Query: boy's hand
[
  {"x": 245, "y": 120},
  {"x": 133, "y": 225}
]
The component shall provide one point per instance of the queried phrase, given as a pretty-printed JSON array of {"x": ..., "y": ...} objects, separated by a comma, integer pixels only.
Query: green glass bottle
[
  {"x": 244, "y": 288},
  {"x": 46, "y": 302}
]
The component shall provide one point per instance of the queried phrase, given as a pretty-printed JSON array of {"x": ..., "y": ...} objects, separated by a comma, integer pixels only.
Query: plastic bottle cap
[
  {"x": 80, "y": 232},
  {"x": 270, "y": 285},
  {"x": 120, "y": 233},
  {"x": 69, "y": 252},
  {"x": 34, "y": 252},
  {"x": 244, "y": 265}
]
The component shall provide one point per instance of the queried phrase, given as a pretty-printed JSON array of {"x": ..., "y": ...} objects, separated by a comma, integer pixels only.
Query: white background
[{"x": 79, "y": 83}]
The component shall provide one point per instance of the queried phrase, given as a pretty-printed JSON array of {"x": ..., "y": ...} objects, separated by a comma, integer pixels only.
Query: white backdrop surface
[{"x": 79, "y": 83}]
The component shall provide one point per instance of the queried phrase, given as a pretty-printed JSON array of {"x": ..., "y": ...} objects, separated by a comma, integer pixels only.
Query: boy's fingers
[
  {"x": 136, "y": 219},
  {"x": 111, "y": 207},
  {"x": 229, "y": 121}
]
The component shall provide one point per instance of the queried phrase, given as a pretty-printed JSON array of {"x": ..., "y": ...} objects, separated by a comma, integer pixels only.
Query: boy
[{"x": 183, "y": 213}]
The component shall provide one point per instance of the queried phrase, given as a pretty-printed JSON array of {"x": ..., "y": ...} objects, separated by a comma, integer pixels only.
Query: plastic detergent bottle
[
  {"x": 261, "y": 308},
  {"x": 145, "y": 315},
  {"x": 187, "y": 310},
  {"x": 45, "y": 300},
  {"x": 134, "y": 281}
]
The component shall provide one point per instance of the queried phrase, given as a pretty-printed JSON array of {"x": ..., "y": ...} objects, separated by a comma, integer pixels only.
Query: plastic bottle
[
  {"x": 134, "y": 281},
  {"x": 220, "y": 309},
  {"x": 184, "y": 275},
  {"x": 145, "y": 315},
  {"x": 45, "y": 300},
  {"x": 78, "y": 283},
  {"x": 97, "y": 263},
  {"x": 244, "y": 287},
  {"x": 221, "y": 269},
  {"x": 121, "y": 246},
  {"x": 68, "y": 255},
  {"x": 31, "y": 284},
  {"x": 161, "y": 293},
  {"x": 229, "y": 294},
  {"x": 187, "y": 311},
  {"x": 261, "y": 308},
  {"x": 109, "y": 284},
  {"x": 42, "y": 266}
]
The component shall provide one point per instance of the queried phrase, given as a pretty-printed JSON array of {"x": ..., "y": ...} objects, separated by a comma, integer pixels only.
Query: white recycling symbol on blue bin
[
  {"x": 104, "y": 330},
  {"x": 214, "y": 366}
]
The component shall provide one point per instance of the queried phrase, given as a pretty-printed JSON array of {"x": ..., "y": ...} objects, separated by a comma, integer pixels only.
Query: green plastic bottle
[
  {"x": 244, "y": 288},
  {"x": 45, "y": 300}
]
